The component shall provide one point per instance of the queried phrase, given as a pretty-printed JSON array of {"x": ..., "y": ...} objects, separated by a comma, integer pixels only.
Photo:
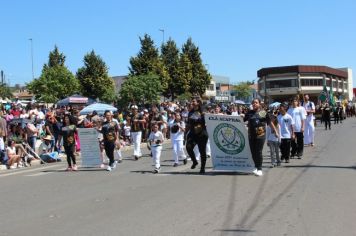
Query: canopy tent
[
  {"x": 100, "y": 108},
  {"x": 75, "y": 99}
]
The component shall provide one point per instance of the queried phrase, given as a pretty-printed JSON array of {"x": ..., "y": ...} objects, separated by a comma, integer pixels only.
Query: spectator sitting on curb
[{"x": 45, "y": 151}]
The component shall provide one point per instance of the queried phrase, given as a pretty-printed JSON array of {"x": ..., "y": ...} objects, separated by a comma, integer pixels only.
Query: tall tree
[
  {"x": 5, "y": 91},
  {"x": 243, "y": 90},
  {"x": 56, "y": 58},
  {"x": 170, "y": 58},
  {"x": 200, "y": 76},
  {"x": 55, "y": 82},
  {"x": 94, "y": 79},
  {"x": 141, "y": 89},
  {"x": 148, "y": 61}
]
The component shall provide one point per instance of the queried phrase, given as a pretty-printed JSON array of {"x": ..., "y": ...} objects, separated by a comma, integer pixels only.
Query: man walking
[
  {"x": 298, "y": 115},
  {"x": 309, "y": 128}
]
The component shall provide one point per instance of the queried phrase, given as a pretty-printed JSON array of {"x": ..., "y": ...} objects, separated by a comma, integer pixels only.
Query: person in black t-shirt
[
  {"x": 136, "y": 123},
  {"x": 110, "y": 131},
  {"x": 257, "y": 120},
  {"x": 197, "y": 134},
  {"x": 67, "y": 132}
]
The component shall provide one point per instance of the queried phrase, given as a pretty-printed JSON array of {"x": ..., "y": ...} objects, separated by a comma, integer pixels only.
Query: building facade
[{"x": 281, "y": 83}]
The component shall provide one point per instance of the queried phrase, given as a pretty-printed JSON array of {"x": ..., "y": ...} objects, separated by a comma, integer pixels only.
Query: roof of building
[
  {"x": 23, "y": 94},
  {"x": 302, "y": 69}
]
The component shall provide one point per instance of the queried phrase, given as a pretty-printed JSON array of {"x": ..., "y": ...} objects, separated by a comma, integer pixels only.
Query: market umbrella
[
  {"x": 240, "y": 102},
  {"x": 100, "y": 108}
]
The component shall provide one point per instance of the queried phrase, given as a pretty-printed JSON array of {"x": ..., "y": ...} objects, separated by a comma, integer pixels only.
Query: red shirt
[{"x": 15, "y": 113}]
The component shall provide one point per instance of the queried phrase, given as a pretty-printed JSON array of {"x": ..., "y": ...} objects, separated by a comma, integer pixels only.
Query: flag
[
  {"x": 324, "y": 94},
  {"x": 331, "y": 94}
]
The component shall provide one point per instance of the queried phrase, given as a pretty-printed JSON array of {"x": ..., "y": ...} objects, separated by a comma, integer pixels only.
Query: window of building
[
  {"x": 281, "y": 83},
  {"x": 312, "y": 82},
  {"x": 210, "y": 87}
]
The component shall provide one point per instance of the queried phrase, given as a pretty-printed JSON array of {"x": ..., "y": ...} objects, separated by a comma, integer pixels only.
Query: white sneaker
[
  {"x": 259, "y": 173},
  {"x": 108, "y": 168},
  {"x": 254, "y": 171},
  {"x": 113, "y": 166}
]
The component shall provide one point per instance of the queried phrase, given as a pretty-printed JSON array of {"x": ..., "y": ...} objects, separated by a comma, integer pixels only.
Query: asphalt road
[{"x": 313, "y": 196}]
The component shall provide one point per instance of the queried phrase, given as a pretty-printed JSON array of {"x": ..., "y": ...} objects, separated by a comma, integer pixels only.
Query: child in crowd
[
  {"x": 127, "y": 133},
  {"x": 177, "y": 128},
  {"x": 156, "y": 139},
  {"x": 273, "y": 132},
  {"x": 286, "y": 123}
]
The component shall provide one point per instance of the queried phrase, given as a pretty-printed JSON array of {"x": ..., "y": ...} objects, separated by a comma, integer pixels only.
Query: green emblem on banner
[{"x": 229, "y": 139}]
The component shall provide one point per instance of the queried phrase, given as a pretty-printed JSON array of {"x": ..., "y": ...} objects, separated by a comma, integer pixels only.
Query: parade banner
[
  {"x": 230, "y": 149},
  {"x": 89, "y": 147}
]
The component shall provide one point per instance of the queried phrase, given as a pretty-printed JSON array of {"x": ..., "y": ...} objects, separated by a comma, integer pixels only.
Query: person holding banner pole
[
  {"x": 197, "y": 134},
  {"x": 110, "y": 131},
  {"x": 67, "y": 132},
  {"x": 257, "y": 119}
]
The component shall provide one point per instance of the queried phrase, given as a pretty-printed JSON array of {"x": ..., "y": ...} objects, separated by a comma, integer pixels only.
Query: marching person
[
  {"x": 110, "y": 131},
  {"x": 197, "y": 134},
  {"x": 257, "y": 120},
  {"x": 309, "y": 128},
  {"x": 298, "y": 115},
  {"x": 326, "y": 115},
  {"x": 136, "y": 123},
  {"x": 273, "y": 140},
  {"x": 156, "y": 140},
  {"x": 177, "y": 129},
  {"x": 287, "y": 132},
  {"x": 67, "y": 132}
]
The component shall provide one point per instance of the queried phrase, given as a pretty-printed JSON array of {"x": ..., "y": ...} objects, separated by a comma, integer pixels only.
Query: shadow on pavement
[{"x": 315, "y": 166}]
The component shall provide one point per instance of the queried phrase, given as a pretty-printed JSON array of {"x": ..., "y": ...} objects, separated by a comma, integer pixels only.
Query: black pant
[
  {"x": 336, "y": 118},
  {"x": 327, "y": 122},
  {"x": 70, "y": 154},
  {"x": 297, "y": 144},
  {"x": 285, "y": 148},
  {"x": 109, "y": 150},
  {"x": 256, "y": 147},
  {"x": 201, "y": 141}
]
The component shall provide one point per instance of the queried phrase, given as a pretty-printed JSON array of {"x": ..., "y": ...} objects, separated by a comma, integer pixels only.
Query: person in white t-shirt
[
  {"x": 309, "y": 128},
  {"x": 156, "y": 139},
  {"x": 298, "y": 114},
  {"x": 287, "y": 132},
  {"x": 177, "y": 128}
]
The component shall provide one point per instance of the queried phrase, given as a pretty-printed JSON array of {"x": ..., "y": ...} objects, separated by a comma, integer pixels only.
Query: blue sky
[{"x": 236, "y": 38}]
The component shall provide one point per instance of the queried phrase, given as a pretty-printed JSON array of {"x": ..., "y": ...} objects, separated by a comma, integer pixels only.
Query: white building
[{"x": 281, "y": 83}]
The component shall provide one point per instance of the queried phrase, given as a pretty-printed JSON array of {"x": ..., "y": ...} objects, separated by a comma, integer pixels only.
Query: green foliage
[
  {"x": 141, "y": 89},
  {"x": 200, "y": 76},
  {"x": 5, "y": 91},
  {"x": 55, "y": 82},
  {"x": 243, "y": 90},
  {"x": 170, "y": 58},
  {"x": 94, "y": 79},
  {"x": 56, "y": 58},
  {"x": 148, "y": 61},
  {"x": 184, "y": 97}
]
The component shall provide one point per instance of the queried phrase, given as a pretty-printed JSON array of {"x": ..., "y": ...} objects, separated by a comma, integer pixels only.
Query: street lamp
[
  {"x": 207, "y": 66},
  {"x": 162, "y": 30},
  {"x": 33, "y": 75}
]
